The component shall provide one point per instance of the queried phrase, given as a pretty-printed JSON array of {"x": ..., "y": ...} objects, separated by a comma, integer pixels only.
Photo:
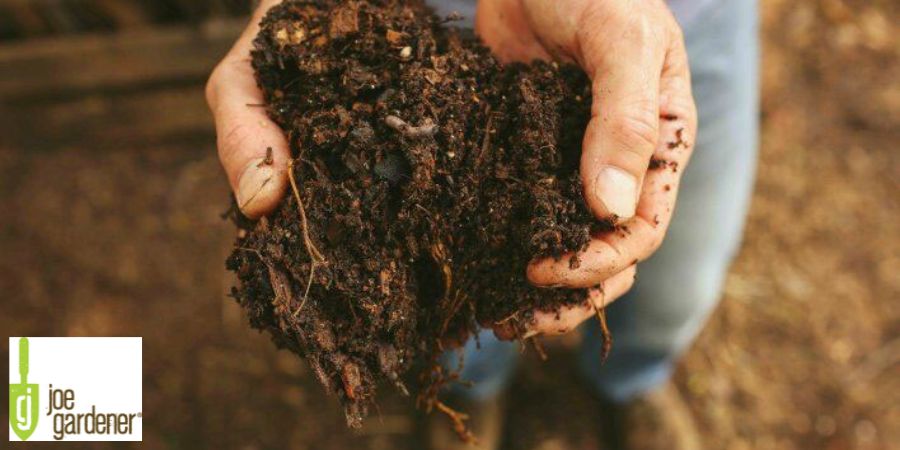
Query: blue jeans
[{"x": 680, "y": 285}]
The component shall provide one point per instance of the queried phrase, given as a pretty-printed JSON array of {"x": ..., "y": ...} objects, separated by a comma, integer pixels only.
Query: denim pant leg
[
  {"x": 488, "y": 363},
  {"x": 680, "y": 285}
]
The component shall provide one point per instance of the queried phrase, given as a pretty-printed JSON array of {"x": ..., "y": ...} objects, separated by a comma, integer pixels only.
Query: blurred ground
[{"x": 112, "y": 195}]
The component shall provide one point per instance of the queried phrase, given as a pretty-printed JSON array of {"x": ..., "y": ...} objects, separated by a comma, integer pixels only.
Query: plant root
[
  {"x": 604, "y": 331},
  {"x": 315, "y": 256},
  {"x": 459, "y": 423}
]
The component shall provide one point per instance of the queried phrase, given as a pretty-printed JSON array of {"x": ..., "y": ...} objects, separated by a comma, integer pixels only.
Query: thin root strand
[
  {"x": 315, "y": 255},
  {"x": 459, "y": 423},
  {"x": 604, "y": 331}
]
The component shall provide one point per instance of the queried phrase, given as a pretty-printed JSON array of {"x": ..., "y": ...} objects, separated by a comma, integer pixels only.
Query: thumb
[
  {"x": 624, "y": 127},
  {"x": 253, "y": 150}
]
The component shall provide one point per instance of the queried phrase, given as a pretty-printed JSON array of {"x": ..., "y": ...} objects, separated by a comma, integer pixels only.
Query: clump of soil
[{"x": 425, "y": 177}]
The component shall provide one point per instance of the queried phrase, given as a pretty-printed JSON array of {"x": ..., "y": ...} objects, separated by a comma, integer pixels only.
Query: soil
[{"x": 426, "y": 175}]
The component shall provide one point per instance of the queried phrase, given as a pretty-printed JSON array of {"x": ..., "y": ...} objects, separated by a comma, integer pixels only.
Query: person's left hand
[{"x": 634, "y": 53}]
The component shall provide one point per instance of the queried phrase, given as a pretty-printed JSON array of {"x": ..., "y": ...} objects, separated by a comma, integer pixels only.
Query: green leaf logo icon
[{"x": 23, "y": 398}]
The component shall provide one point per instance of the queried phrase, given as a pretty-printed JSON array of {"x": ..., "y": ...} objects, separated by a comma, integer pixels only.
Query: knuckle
[
  {"x": 675, "y": 31},
  {"x": 672, "y": 27},
  {"x": 642, "y": 26},
  {"x": 656, "y": 240},
  {"x": 636, "y": 127},
  {"x": 230, "y": 142},
  {"x": 227, "y": 71},
  {"x": 656, "y": 234},
  {"x": 644, "y": 29},
  {"x": 211, "y": 86}
]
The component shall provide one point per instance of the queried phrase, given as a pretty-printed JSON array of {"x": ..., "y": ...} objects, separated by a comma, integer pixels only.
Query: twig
[
  {"x": 312, "y": 271},
  {"x": 507, "y": 319},
  {"x": 427, "y": 213},
  {"x": 400, "y": 125},
  {"x": 486, "y": 143},
  {"x": 268, "y": 160}
]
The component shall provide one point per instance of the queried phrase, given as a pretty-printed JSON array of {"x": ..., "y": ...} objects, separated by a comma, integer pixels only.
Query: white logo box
[{"x": 105, "y": 373}]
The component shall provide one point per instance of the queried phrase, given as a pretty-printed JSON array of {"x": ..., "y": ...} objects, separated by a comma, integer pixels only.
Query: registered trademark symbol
[{"x": 141, "y": 415}]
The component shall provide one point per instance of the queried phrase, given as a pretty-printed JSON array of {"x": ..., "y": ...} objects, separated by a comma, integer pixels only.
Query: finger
[
  {"x": 638, "y": 238},
  {"x": 568, "y": 318},
  {"x": 625, "y": 65},
  {"x": 244, "y": 132}
]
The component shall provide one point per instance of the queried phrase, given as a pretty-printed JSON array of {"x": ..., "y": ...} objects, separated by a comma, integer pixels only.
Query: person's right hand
[{"x": 244, "y": 131}]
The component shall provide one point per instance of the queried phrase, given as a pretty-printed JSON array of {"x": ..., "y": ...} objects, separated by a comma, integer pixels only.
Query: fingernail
[
  {"x": 617, "y": 190},
  {"x": 255, "y": 187}
]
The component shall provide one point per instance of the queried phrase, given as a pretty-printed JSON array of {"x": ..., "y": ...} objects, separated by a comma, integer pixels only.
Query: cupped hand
[
  {"x": 642, "y": 110},
  {"x": 252, "y": 148}
]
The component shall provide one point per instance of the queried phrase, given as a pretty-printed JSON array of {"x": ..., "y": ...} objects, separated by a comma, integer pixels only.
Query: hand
[
  {"x": 244, "y": 131},
  {"x": 634, "y": 53}
]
